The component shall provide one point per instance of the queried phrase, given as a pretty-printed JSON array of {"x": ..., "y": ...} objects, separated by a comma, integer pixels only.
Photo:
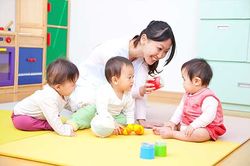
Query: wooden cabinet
[
  {"x": 57, "y": 30},
  {"x": 31, "y": 31},
  {"x": 224, "y": 41},
  {"x": 31, "y": 48},
  {"x": 27, "y": 58}
]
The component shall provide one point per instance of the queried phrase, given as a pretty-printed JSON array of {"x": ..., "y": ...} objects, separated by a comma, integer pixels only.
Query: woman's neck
[{"x": 134, "y": 52}]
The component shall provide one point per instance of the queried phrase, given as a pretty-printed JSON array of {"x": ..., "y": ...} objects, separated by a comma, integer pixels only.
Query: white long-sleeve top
[
  {"x": 45, "y": 104},
  {"x": 108, "y": 104},
  {"x": 209, "y": 109},
  {"x": 92, "y": 69}
]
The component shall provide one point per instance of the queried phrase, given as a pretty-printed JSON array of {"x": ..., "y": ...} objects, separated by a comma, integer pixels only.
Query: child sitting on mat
[
  {"x": 40, "y": 111},
  {"x": 199, "y": 116},
  {"x": 114, "y": 106}
]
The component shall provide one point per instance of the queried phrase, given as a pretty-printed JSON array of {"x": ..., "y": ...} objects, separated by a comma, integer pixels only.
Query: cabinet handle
[
  {"x": 223, "y": 27},
  {"x": 48, "y": 39},
  {"x": 31, "y": 59},
  {"x": 3, "y": 50},
  {"x": 49, "y": 7},
  {"x": 243, "y": 85}
]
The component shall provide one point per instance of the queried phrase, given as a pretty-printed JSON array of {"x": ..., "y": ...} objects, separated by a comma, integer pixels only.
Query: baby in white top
[
  {"x": 114, "y": 106},
  {"x": 40, "y": 111}
]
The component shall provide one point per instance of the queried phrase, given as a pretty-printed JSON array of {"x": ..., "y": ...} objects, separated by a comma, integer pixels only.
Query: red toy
[{"x": 156, "y": 81}]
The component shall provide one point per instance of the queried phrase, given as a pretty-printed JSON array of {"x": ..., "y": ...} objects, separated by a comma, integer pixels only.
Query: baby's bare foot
[{"x": 156, "y": 130}]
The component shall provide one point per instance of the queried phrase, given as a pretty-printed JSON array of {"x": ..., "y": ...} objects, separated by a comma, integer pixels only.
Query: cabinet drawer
[
  {"x": 31, "y": 41},
  {"x": 225, "y": 9},
  {"x": 231, "y": 82},
  {"x": 30, "y": 66},
  {"x": 224, "y": 39}
]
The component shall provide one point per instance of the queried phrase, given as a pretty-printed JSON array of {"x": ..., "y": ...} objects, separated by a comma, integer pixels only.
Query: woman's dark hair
[
  {"x": 198, "y": 68},
  {"x": 114, "y": 66},
  {"x": 158, "y": 31},
  {"x": 60, "y": 71}
]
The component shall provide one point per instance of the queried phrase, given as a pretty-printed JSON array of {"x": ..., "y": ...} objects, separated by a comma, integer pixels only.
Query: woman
[{"x": 144, "y": 51}]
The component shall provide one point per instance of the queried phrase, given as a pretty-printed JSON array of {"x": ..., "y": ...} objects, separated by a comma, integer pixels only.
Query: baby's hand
[
  {"x": 118, "y": 129},
  {"x": 72, "y": 134},
  {"x": 170, "y": 125},
  {"x": 189, "y": 131}
]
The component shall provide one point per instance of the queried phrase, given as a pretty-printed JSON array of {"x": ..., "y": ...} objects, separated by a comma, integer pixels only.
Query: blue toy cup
[{"x": 147, "y": 151}]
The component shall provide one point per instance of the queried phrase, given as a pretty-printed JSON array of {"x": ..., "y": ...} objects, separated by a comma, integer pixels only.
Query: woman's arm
[{"x": 141, "y": 75}]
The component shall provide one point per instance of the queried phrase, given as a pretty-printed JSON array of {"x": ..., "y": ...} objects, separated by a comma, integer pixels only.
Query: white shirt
[
  {"x": 45, "y": 104},
  {"x": 92, "y": 70},
  {"x": 208, "y": 108},
  {"x": 108, "y": 104}
]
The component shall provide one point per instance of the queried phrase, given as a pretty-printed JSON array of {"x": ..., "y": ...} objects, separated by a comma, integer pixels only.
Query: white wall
[{"x": 94, "y": 21}]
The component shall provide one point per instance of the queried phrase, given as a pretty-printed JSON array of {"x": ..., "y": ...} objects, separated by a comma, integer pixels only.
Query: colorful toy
[
  {"x": 160, "y": 149},
  {"x": 7, "y": 27},
  {"x": 150, "y": 151},
  {"x": 136, "y": 128},
  {"x": 156, "y": 81},
  {"x": 147, "y": 151}
]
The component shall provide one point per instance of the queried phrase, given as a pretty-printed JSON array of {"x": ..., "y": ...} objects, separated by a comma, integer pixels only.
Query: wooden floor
[{"x": 239, "y": 157}]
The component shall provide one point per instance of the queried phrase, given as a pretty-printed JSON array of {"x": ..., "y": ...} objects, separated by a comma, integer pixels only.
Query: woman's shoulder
[
  {"x": 120, "y": 40},
  {"x": 114, "y": 44}
]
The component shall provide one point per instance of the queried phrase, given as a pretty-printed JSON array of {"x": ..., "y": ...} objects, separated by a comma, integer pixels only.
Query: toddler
[
  {"x": 40, "y": 111},
  {"x": 199, "y": 116},
  {"x": 114, "y": 106}
]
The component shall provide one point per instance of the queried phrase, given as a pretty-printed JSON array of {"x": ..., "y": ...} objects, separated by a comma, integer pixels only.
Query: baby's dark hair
[
  {"x": 198, "y": 68},
  {"x": 60, "y": 71},
  {"x": 158, "y": 31},
  {"x": 114, "y": 66}
]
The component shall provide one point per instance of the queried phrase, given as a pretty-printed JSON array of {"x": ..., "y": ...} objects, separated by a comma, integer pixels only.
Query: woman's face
[{"x": 155, "y": 50}]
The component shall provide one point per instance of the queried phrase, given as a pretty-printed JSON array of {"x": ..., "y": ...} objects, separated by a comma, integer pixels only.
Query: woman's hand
[
  {"x": 118, "y": 129},
  {"x": 147, "y": 88}
]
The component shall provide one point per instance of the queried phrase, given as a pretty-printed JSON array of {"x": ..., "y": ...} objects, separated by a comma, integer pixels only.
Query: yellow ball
[
  {"x": 130, "y": 126},
  {"x": 138, "y": 129},
  {"x": 126, "y": 131}
]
